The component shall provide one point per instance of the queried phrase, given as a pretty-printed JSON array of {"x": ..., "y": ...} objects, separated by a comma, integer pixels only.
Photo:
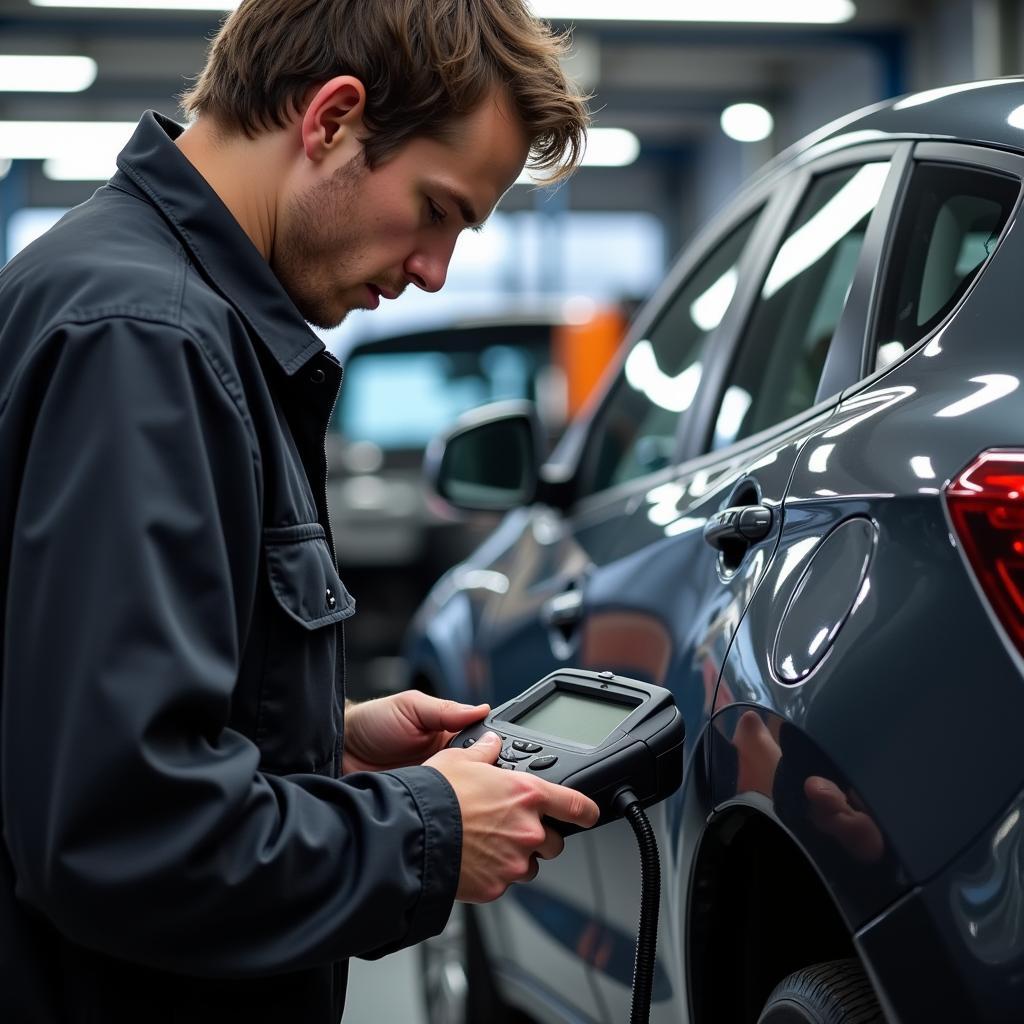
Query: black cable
[{"x": 628, "y": 805}]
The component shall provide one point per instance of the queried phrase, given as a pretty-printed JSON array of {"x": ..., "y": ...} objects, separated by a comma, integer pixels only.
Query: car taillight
[{"x": 986, "y": 504}]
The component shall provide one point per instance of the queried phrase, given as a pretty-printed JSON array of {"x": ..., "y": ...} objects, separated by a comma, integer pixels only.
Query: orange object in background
[{"x": 584, "y": 350}]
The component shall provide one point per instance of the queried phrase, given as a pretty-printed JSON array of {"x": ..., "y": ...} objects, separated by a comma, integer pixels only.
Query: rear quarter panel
[{"x": 919, "y": 702}]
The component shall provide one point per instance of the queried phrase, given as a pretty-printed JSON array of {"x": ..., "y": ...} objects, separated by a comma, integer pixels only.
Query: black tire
[
  {"x": 837, "y": 992},
  {"x": 457, "y": 983}
]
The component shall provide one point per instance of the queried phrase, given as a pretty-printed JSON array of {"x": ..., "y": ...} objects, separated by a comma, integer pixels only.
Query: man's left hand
[{"x": 402, "y": 730}]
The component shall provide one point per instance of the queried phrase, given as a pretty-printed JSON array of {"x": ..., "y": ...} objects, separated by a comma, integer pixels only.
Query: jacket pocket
[{"x": 297, "y": 719}]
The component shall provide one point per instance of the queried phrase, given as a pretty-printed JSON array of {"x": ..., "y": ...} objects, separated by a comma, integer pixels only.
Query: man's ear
[{"x": 333, "y": 119}]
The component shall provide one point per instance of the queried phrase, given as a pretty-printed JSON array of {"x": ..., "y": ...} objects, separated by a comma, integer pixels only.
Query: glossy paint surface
[
  {"x": 968, "y": 924},
  {"x": 828, "y": 591},
  {"x": 843, "y": 678}
]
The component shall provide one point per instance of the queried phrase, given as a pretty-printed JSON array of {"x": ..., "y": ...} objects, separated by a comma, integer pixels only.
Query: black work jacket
[{"x": 176, "y": 844}]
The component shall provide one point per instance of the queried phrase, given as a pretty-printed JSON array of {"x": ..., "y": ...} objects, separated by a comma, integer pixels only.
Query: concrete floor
[{"x": 385, "y": 991}]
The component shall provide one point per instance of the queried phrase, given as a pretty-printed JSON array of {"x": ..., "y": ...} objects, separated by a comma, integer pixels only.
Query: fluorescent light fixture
[
  {"x": 606, "y": 147},
  {"x": 72, "y": 150},
  {"x": 747, "y": 122},
  {"x": 813, "y": 12},
  {"x": 81, "y": 167},
  {"x": 43, "y": 140},
  {"x": 833, "y": 222},
  {"x": 46, "y": 74},
  {"x": 143, "y": 5},
  {"x": 611, "y": 147},
  {"x": 817, "y": 12}
]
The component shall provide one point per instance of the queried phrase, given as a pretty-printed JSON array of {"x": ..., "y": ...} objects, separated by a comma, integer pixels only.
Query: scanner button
[
  {"x": 606, "y": 675},
  {"x": 539, "y": 764},
  {"x": 507, "y": 765},
  {"x": 527, "y": 748},
  {"x": 508, "y": 754},
  {"x": 469, "y": 742}
]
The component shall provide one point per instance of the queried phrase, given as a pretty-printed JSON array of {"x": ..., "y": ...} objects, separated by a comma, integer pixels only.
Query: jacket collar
[{"x": 153, "y": 167}]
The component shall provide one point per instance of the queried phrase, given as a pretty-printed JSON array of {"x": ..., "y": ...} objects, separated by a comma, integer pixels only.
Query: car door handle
[
  {"x": 565, "y": 610},
  {"x": 740, "y": 525}
]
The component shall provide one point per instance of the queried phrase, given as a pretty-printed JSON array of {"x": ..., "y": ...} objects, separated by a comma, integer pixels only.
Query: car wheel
[
  {"x": 457, "y": 983},
  {"x": 832, "y": 993}
]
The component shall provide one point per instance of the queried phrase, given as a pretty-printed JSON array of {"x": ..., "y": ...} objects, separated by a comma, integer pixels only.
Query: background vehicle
[
  {"x": 391, "y": 541},
  {"x": 834, "y": 353}
]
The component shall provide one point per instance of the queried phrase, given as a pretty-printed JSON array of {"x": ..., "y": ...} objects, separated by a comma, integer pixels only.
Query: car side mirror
[{"x": 489, "y": 461}]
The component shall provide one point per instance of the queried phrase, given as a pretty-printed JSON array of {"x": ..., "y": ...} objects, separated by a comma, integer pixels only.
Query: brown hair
[{"x": 424, "y": 64}]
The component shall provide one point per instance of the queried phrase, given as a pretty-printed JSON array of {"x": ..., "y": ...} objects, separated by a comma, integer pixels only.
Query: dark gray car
[{"x": 800, "y": 506}]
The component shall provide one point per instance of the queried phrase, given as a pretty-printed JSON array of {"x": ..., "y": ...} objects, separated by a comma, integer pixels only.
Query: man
[{"x": 186, "y": 836}]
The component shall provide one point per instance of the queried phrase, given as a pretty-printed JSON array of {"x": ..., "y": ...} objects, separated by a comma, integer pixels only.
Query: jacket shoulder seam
[{"x": 232, "y": 387}]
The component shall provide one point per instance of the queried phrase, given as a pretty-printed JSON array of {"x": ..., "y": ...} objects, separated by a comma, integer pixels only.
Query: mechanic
[{"x": 186, "y": 836}]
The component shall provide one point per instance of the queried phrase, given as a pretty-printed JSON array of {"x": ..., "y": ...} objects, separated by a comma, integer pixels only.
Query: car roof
[{"x": 988, "y": 112}]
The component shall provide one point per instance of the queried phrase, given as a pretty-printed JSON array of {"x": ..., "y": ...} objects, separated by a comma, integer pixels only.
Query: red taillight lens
[{"x": 986, "y": 504}]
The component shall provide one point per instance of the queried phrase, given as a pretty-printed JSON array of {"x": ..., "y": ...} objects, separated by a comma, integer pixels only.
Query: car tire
[
  {"x": 457, "y": 983},
  {"x": 837, "y": 992}
]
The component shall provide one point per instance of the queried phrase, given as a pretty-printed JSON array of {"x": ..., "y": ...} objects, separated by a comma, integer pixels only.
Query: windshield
[{"x": 403, "y": 399}]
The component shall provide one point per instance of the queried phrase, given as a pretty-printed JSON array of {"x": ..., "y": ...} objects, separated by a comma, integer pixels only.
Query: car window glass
[
  {"x": 784, "y": 347},
  {"x": 949, "y": 224},
  {"x": 635, "y": 433},
  {"x": 402, "y": 399}
]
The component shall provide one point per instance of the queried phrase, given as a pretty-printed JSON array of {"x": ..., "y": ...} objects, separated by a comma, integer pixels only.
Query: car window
[
  {"x": 635, "y": 433},
  {"x": 949, "y": 223},
  {"x": 783, "y": 350},
  {"x": 402, "y": 399}
]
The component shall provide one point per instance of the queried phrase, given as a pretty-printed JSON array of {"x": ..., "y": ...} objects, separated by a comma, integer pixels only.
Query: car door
[
  {"x": 549, "y": 930},
  {"x": 728, "y": 369}
]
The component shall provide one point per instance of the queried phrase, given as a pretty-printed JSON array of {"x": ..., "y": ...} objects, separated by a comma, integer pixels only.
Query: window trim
[
  {"x": 570, "y": 464},
  {"x": 847, "y": 336},
  {"x": 958, "y": 154}
]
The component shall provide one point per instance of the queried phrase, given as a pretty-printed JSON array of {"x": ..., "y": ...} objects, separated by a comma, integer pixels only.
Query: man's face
[{"x": 358, "y": 235}]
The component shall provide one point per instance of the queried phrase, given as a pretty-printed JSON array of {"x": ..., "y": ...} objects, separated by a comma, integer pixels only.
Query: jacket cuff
[{"x": 438, "y": 807}]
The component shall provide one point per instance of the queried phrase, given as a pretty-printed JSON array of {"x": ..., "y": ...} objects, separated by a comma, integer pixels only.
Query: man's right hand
[{"x": 502, "y": 829}]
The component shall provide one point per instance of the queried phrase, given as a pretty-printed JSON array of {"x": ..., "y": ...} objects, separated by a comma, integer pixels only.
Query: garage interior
[{"x": 661, "y": 164}]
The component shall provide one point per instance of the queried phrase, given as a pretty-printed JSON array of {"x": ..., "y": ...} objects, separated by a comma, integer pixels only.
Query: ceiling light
[
  {"x": 611, "y": 147},
  {"x": 95, "y": 141},
  {"x": 747, "y": 122},
  {"x": 812, "y": 12},
  {"x": 81, "y": 167},
  {"x": 143, "y": 5},
  {"x": 606, "y": 147},
  {"x": 46, "y": 74},
  {"x": 818, "y": 12}
]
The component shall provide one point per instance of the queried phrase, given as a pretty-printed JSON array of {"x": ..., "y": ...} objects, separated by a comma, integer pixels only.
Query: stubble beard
[{"x": 312, "y": 252}]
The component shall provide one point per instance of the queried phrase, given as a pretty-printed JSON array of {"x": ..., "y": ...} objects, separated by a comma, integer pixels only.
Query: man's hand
[
  {"x": 502, "y": 831},
  {"x": 403, "y": 730}
]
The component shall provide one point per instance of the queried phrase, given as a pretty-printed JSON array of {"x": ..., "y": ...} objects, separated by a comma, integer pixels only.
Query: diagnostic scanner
[{"x": 602, "y": 734}]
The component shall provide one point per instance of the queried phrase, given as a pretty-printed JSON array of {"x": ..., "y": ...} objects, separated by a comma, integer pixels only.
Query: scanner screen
[{"x": 576, "y": 718}]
